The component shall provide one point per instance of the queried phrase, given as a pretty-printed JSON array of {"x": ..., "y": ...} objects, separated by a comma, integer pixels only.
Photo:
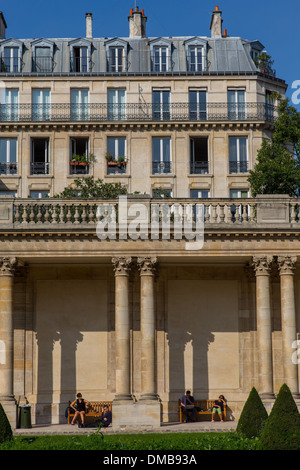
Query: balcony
[
  {"x": 238, "y": 167},
  {"x": 161, "y": 168},
  {"x": 273, "y": 212},
  {"x": 199, "y": 168},
  {"x": 39, "y": 168},
  {"x": 134, "y": 112},
  {"x": 43, "y": 64},
  {"x": 8, "y": 168}
]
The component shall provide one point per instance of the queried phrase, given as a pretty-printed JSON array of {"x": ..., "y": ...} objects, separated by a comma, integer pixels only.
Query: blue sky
[{"x": 273, "y": 23}]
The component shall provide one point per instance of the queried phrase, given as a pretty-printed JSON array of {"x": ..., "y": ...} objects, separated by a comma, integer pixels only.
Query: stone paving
[{"x": 60, "y": 429}]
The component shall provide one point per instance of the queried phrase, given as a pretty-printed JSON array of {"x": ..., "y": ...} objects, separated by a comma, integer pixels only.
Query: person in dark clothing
[
  {"x": 188, "y": 406},
  {"x": 106, "y": 417},
  {"x": 80, "y": 406},
  {"x": 219, "y": 407}
]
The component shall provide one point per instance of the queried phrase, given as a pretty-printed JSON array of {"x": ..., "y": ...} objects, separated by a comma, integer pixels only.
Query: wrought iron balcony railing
[
  {"x": 61, "y": 112},
  {"x": 199, "y": 168},
  {"x": 40, "y": 168},
  {"x": 161, "y": 168},
  {"x": 8, "y": 168}
]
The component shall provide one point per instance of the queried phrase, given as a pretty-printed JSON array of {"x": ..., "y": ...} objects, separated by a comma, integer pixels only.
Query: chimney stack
[
  {"x": 3, "y": 26},
  {"x": 137, "y": 23},
  {"x": 88, "y": 21},
  {"x": 216, "y": 23}
]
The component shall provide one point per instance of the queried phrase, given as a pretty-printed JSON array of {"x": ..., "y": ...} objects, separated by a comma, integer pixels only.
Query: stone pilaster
[
  {"x": 122, "y": 267},
  {"x": 147, "y": 267},
  {"x": 287, "y": 266},
  {"x": 262, "y": 266},
  {"x": 8, "y": 266}
]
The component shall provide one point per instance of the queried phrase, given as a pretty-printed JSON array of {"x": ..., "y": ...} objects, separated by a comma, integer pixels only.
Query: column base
[
  {"x": 136, "y": 415},
  {"x": 149, "y": 397},
  {"x": 123, "y": 397}
]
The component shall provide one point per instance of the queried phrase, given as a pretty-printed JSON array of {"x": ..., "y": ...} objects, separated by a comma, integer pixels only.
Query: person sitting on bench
[{"x": 188, "y": 406}]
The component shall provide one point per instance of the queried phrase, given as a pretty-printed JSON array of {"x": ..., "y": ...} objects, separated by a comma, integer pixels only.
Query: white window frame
[
  {"x": 8, "y": 160},
  {"x": 238, "y": 153},
  {"x": 164, "y": 109},
  {"x": 41, "y": 99},
  {"x": 81, "y": 112}
]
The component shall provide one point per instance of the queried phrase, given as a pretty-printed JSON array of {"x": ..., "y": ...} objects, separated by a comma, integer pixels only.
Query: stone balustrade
[{"x": 267, "y": 211}]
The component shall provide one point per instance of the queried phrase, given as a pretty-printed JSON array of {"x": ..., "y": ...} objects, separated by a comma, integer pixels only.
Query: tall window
[
  {"x": 199, "y": 155},
  {"x": 42, "y": 60},
  {"x": 116, "y": 59},
  {"x": 116, "y": 107},
  {"x": 79, "y": 60},
  {"x": 236, "y": 105},
  {"x": 238, "y": 155},
  {"x": 11, "y": 59},
  {"x": 195, "y": 59},
  {"x": 10, "y": 108},
  {"x": 40, "y": 104},
  {"x": 79, "y": 104},
  {"x": 161, "y": 155},
  {"x": 160, "y": 59},
  {"x": 79, "y": 149},
  {"x": 116, "y": 147},
  {"x": 8, "y": 156},
  {"x": 40, "y": 156},
  {"x": 197, "y": 105},
  {"x": 161, "y": 105}
]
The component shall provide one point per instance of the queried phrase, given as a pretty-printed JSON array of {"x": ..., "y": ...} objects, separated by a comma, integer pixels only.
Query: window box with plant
[
  {"x": 82, "y": 160},
  {"x": 116, "y": 164}
]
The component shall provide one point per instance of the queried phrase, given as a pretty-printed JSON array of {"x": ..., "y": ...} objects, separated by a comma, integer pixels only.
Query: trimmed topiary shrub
[
  {"x": 253, "y": 416},
  {"x": 5, "y": 429},
  {"x": 282, "y": 428}
]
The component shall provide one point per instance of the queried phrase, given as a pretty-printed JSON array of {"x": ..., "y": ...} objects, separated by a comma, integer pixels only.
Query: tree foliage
[
  {"x": 87, "y": 188},
  {"x": 5, "y": 428},
  {"x": 277, "y": 170},
  {"x": 253, "y": 416},
  {"x": 282, "y": 428}
]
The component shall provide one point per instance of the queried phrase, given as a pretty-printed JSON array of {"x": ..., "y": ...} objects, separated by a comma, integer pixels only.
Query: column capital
[
  {"x": 262, "y": 264},
  {"x": 8, "y": 266},
  {"x": 122, "y": 265},
  {"x": 286, "y": 264},
  {"x": 147, "y": 265}
]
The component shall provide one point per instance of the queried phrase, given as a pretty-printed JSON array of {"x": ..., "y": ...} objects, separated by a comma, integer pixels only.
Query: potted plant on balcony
[
  {"x": 121, "y": 161},
  {"x": 110, "y": 160},
  {"x": 82, "y": 160}
]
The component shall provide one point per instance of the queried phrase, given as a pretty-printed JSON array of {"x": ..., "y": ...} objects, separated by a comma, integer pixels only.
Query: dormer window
[
  {"x": 80, "y": 56},
  {"x": 196, "y": 53},
  {"x": 42, "y": 56},
  {"x": 195, "y": 59},
  {"x": 160, "y": 50},
  {"x": 116, "y": 54},
  {"x": 11, "y": 54}
]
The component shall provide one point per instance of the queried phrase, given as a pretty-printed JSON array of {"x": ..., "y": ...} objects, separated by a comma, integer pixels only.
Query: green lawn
[{"x": 94, "y": 441}]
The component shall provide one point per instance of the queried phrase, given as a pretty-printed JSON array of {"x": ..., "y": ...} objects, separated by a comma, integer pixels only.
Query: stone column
[
  {"x": 122, "y": 327},
  {"x": 287, "y": 265},
  {"x": 147, "y": 267},
  {"x": 262, "y": 267},
  {"x": 7, "y": 399}
]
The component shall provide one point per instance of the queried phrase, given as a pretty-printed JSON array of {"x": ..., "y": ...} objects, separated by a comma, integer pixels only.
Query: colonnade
[
  {"x": 147, "y": 267},
  {"x": 262, "y": 266}
]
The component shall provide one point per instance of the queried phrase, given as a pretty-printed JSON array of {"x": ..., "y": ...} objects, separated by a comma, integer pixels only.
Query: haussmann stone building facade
[{"x": 139, "y": 321}]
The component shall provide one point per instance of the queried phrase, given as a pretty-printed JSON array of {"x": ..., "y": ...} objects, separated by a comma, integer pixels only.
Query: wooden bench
[
  {"x": 95, "y": 409},
  {"x": 202, "y": 408}
]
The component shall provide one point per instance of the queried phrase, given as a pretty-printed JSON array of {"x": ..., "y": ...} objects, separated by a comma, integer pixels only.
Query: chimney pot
[{"x": 137, "y": 23}]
